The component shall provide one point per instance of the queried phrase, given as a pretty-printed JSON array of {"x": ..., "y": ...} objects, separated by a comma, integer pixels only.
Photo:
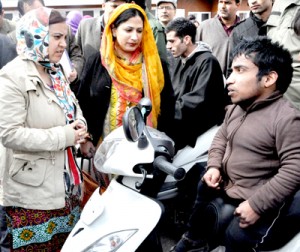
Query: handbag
[
  {"x": 92, "y": 179},
  {"x": 89, "y": 184}
]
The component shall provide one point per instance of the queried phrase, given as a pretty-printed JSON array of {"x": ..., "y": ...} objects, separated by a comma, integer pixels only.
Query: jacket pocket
[{"x": 28, "y": 169}]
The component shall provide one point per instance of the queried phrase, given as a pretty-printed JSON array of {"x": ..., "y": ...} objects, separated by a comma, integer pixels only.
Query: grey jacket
[
  {"x": 88, "y": 35},
  {"x": 212, "y": 32},
  {"x": 34, "y": 135},
  {"x": 7, "y": 50}
]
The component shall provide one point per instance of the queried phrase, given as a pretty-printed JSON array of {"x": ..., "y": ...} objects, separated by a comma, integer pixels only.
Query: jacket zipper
[{"x": 230, "y": 142}]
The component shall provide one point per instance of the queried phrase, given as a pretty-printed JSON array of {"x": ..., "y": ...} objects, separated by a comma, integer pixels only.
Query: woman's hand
[
  {"x": 73, "y": 75},
  {"x": 81, "y": 134}
]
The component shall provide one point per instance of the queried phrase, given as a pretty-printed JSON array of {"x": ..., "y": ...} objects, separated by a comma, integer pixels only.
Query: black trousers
[{"x": 218, "y": 226}]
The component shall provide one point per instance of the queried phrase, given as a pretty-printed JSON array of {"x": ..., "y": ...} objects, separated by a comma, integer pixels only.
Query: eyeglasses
[{"x": 165, "y": 7}]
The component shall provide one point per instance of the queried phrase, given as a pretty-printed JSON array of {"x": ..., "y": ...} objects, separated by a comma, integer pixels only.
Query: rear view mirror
[{"x": 133, "y": 124}]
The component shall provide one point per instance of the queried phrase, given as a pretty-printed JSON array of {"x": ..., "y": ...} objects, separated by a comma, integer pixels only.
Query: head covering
[
  {"x": 73, "y": 20},
  {"x": 0, "y": 5},
  {"x": 32, "y": 34},
  {"x": 86, "y": 16},
  {"x": 124, "y": 77},
  {"x": 174, "y": 2}
]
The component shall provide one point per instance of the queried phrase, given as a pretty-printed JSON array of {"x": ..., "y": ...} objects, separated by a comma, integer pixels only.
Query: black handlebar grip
[{"x": 164, "y": 165}]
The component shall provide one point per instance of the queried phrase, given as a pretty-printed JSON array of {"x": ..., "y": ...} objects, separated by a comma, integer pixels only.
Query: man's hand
[
  {"x": 212, "y": 178},
  {"x": 247, "y": 215}
]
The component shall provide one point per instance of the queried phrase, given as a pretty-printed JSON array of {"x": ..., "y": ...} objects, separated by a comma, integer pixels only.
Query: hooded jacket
[{"x": 199, "y": 92}]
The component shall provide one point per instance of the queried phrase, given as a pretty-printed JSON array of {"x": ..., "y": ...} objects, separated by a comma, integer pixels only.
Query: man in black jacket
[
  {"x": 198, "y": 84},
  {"x": 255, "y": 24}
]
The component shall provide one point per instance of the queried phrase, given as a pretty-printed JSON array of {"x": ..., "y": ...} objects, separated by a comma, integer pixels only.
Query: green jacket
[{"x": 159, "y": 35}]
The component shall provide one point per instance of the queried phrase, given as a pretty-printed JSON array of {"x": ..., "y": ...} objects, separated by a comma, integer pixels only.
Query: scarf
[
  {"x": 33, "y": 42},
  {"x": 142, "y": 75}
]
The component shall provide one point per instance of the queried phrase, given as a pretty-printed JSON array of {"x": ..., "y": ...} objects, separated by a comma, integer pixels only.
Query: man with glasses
[{"x": 166, "y": 11}]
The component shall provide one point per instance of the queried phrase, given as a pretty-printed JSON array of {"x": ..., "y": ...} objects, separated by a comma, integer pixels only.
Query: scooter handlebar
[{"x": 164, "y": 165}]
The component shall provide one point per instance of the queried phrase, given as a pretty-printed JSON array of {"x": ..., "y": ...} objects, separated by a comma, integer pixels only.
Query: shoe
[{"x": 187, "y": 245}]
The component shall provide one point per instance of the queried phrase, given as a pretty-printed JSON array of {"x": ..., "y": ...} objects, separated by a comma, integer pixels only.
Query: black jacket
[
  {"x": 248, "y": 28},
  {"x": 95, "y": 91},
  {"x": 199, "y": 91},
  {"x": 7, "y": 50}
]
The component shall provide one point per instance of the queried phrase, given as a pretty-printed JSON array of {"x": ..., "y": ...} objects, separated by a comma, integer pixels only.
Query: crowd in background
[{"x": 184, "y": 66}]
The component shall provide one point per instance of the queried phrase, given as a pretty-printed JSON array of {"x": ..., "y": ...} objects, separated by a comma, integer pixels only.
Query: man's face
[
  {"x": 176, "y": 45},
  {"x": 260, "y": 6},
  {"x": 227, "y": 9},
  {"x": 243, "y": 86},
  {"x": 166, "y": 13},
  {"x": 109, "y": 7},
  {"x": 36, "y": 4}
]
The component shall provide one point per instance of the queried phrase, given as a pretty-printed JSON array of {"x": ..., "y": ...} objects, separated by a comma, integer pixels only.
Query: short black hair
[
  {"x": 141, "y": 3},
  {"x": 267, "y": 56},
  {"x": 182, "y": 27},
  {"x": 191, "y": 17}
]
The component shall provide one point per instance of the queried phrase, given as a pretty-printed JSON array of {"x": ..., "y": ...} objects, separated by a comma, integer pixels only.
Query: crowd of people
[{"x": 242, "y": 75}]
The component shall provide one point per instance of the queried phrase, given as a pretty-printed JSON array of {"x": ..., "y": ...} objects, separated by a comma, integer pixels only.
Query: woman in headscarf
[
  {"x": 73, "y": 19},
  {"x": 41, "y": 122},
  {"x": 127, "y": 68}
]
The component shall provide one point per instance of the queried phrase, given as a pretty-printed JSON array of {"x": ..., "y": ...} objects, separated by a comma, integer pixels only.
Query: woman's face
[
  {"x": 129, "y": 35},
  {"x": 57, "y": 41}
]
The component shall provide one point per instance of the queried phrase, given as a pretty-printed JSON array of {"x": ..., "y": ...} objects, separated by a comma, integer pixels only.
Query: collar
[{"x": 229, "y": 29}]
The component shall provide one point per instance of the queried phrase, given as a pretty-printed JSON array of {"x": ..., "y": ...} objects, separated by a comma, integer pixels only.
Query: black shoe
[{"x": 187, "y": 245}]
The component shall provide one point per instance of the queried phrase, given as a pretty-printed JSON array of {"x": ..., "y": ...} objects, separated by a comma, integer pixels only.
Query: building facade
[{"x": 203, "y": 9}]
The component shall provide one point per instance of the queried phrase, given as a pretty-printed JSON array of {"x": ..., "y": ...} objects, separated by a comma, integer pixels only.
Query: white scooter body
[{"x": 119, "y": 208}]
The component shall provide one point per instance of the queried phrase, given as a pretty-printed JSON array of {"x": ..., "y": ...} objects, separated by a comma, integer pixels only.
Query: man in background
[
  {"x": 157, "y": 29},
  {"x": 255, "y": 24},
  {"x": 217, "y": 31},
  {"x": 89, "y": 32},
  {"x": 6, "y": 25},
  {"x": 166, "y": 11},
  {"x": 197, "y": 82}
]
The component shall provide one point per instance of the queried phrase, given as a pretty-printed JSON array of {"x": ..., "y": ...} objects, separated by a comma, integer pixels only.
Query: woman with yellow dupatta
[{"x": 127, "y": 68}]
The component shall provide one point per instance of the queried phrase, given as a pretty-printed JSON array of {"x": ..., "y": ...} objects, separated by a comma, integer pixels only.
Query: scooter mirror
[{"x": 133, "y": 124}]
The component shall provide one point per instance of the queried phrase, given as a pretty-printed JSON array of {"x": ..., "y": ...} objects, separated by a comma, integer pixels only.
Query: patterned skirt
[{"x": 41, "y": 230}]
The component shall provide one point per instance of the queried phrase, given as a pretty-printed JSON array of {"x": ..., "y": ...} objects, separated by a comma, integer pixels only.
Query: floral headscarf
[
  {"x": 33, "y": 43},
  {"x": 124, "y": 79}
]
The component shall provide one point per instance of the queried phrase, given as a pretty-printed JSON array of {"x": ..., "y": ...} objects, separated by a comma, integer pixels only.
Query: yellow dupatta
[{"x": 128, "y": 80}]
